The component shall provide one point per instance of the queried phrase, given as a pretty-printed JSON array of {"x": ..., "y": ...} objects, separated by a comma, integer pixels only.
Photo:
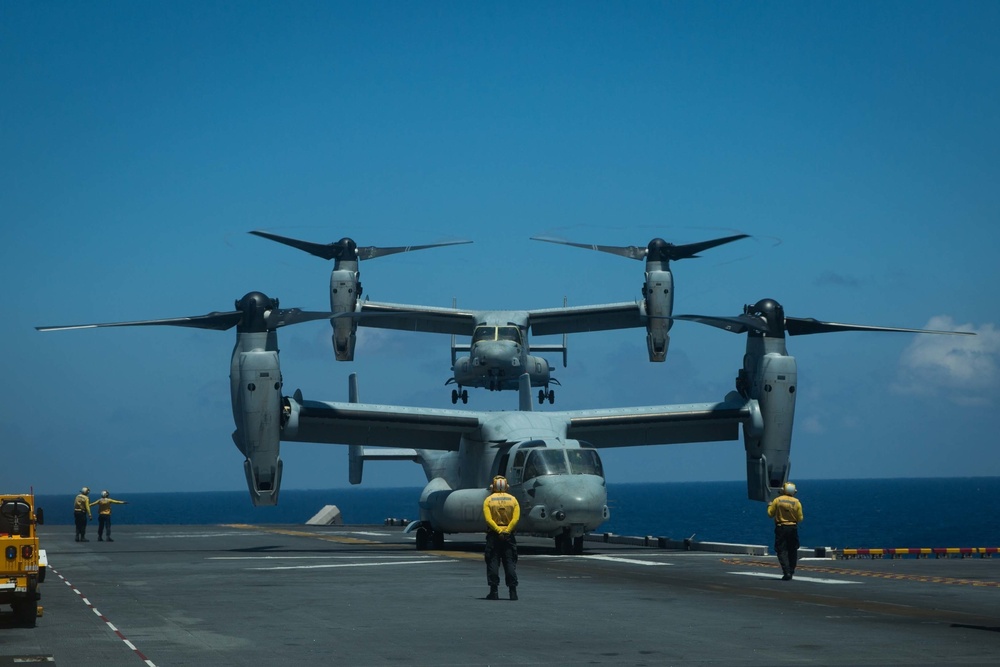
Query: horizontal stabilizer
[{"x": 358, "y": 454}]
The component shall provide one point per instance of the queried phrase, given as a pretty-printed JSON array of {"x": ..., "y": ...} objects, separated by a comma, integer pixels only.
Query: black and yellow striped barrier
[{"x": 935, "y": 552}]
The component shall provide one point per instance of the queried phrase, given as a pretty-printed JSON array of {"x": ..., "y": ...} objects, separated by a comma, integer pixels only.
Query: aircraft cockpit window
[
  {"x": 584, "y": 462},
  {"x": 545, "y": 462},
  {"x": 509, "y": 333},
  {"x": 484, "y": 333}
]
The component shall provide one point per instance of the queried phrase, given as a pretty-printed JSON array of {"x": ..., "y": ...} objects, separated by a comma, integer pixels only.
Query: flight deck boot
[
  {"x": 513, "y": 592},
  {"x": 493, "y": 594}
]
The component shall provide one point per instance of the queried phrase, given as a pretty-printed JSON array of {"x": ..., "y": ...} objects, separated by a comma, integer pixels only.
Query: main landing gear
[
  {"x": 456, "y": 394},
  {"x": 550, "y": 395},
  {"x": 429, "y": 539}
]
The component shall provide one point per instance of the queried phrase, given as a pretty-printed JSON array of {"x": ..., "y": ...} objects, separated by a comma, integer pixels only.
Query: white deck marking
[
  {"x": 814, "y": 580},
  {"x": 617, "y": 559},
  {"x": 359, "y": 557},
  {"x": 118, "y": 633},
  {"x": 317, "y": 567}
]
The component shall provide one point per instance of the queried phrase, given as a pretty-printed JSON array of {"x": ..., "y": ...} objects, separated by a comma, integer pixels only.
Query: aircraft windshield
[
  {"x": 509, "y": 333},
  {"x": 584, "y": 462},
  {"x": 484, "y": 333},
  {"x": 562, "y": 462}
]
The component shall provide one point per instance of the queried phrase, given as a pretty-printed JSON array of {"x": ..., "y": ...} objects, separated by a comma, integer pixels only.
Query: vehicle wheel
[
  {"x": 465, "y": 396},
  {"x": 552, "y": 396},
  {"x": 541, "y": 396},
  {"x": 578, "y": 545},
  {"x": 26, "y": 612},
  {"x": 437, "y": 539},
  {"x": 454, "y": 396}
]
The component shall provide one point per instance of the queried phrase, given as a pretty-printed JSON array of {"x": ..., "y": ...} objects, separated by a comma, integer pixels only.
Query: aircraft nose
[
  {"x": 574, "y": 499},
  {"x": 497, "y": 353}
]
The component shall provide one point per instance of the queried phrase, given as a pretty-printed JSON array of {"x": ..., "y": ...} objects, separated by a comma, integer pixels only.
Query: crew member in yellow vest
[
  {"x": 786, "y": 510},
  {"x": 81, "y": 513},
  {"x": 104, "y": 514},
  {"x": 502, "y": 512}
]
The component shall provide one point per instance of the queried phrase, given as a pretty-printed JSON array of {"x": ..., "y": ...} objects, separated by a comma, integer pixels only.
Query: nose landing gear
[
  {"x": 456, "y": 394},
  {"x": 550, "y": 395}
]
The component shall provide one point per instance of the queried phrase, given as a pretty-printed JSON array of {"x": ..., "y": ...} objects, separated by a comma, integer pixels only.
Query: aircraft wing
[
  {"x": 431, "y": 428},
  {"x": 576, "y": 319},
  {"x": 664, "y": 424},
  {"x": 377, "y": 425},
  {"x": 404, "y": 317}
]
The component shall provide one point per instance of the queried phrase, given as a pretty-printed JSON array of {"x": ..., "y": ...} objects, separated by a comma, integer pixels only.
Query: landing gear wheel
[
  {"x": 552, "y": 396},
  {"x": 541, "y": 396},
  {"x": 578, "y": 545},
  {"x": 454, "y": 396},
  {"x": 465, "y": 396},
  {"x": 437, "y": 540},
  {"x": 423, "y": 538},
  {"x": 564, "y": 544}
]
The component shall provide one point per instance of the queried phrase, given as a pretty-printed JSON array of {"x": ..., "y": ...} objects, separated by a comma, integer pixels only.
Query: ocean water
[{"x": 872, "y": 513}]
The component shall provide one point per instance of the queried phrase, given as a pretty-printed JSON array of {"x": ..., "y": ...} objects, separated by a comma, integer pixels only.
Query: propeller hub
[
  {"x": 659, "y": 250},
  {"x": 772, "y": 313},
  {"x": 346, "y": 249},
  {"x": 254, "y": 306}
]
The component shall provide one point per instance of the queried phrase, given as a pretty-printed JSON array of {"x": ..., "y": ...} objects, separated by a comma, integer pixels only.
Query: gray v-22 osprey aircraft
[
  {"x": 550, "y": 459},
  {"x": 499, "y": 351}
]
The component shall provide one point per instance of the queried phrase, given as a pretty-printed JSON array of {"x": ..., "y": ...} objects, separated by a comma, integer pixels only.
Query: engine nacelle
[
  {"x": 774, "y": 387},
  {"x": 255, "y": 380},
  {"x": 658, "y": 292},
  {"x": 345, "y": 289}
]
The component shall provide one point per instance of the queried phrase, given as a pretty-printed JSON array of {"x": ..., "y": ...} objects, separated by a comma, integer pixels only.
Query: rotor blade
[
  {"x": 801, "y": 326},
  {"x": 324, "y": 250},
  {"x": 337, "y": 249},
  {"x": 214, "y": 320},
  {"x": 371, "y": 252},
  {"x": 692, "y": 249},
  {"x": 632, "y": 252},
  {"x": 738, "y": 324},
  {"x": 286, "y": 316}
]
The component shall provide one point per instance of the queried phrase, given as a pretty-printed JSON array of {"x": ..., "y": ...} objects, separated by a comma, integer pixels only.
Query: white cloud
[{"x": 966, "y": 369}]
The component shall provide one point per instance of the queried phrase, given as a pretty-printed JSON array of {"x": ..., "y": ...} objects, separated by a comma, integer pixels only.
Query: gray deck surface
[{"x": 361, "y": 595}]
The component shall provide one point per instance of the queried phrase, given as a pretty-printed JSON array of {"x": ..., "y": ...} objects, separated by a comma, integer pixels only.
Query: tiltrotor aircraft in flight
[
  {"x": 499, "y": 351},
  {"x": 658, "y": 288},
  {"x": 551, "y": 459}
]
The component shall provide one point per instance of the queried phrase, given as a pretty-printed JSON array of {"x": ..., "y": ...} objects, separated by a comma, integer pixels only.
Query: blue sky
[{"x": 857, "y": 143}]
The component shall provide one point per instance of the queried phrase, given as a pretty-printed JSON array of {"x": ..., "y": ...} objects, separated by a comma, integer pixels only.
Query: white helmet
[
  {"x": 85, "y": 490},
  {"x": 499, "y": 484},
  {"x": 790, "y": 489},
  {"x": 104, "y": 494}
]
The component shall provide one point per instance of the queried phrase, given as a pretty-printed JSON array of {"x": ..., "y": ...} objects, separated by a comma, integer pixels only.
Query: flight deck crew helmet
[
  {"x": 104, "y": 494},
  {"x": 499, "y": 484},
  {"x": 85, "y": 490},
  {"x": 790, "y": 489}
]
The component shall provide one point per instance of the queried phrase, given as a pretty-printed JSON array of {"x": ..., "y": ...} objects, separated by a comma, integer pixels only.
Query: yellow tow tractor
[{"x": 23, "y": 563}]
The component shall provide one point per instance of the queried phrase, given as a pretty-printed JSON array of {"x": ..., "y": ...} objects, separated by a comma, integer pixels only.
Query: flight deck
[{"x": 363, "y": 595}]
